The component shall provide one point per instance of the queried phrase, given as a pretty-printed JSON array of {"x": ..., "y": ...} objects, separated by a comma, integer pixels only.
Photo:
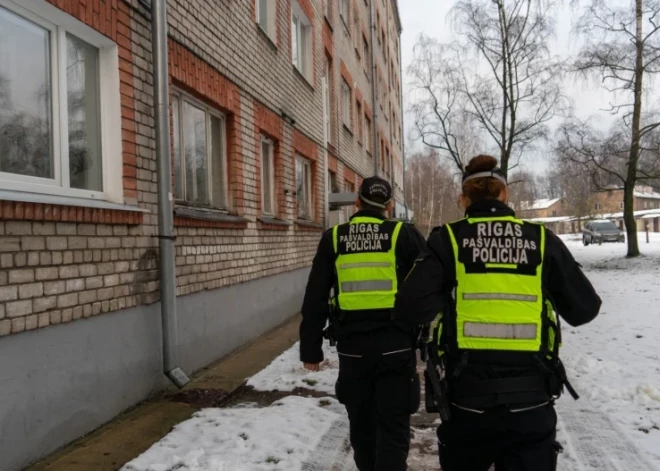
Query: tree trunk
[
  {"x": 631, "y": 177},
  {"x": 504, "y": 158}
]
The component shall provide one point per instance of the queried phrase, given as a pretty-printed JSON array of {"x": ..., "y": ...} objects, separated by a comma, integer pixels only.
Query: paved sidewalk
[{"x": 132, "y": 433}]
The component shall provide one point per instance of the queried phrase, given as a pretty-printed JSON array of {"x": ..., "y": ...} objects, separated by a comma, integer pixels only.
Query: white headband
[
  {"x": 373, "y": 203},
  {"x": 490, "y": 173}
]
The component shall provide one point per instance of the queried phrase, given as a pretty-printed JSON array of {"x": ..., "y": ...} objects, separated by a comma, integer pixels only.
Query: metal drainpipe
[
  {"x": 374, "y": 85},
  {"x": 165, "y": 219},
  {"x": 403, "y": 129}
]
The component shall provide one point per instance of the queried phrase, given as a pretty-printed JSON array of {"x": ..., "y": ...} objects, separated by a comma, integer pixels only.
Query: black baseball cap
[{"x": 376, "y": 192}]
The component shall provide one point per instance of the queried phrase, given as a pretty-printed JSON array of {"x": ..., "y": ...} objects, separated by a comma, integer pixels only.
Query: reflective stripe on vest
[
  {"x": 499, "y": 308},
  {"x": 367, "y": 279}
]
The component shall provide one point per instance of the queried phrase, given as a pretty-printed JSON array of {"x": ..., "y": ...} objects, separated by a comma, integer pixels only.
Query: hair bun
[{"x": 481, "y": 163}]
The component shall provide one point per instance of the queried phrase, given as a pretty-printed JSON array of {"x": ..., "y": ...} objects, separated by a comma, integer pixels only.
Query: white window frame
[
  {"x": 346, "y": 104},
  {"x": 59, "y": 24},
  {"x": 344, "y": 12},
  {"x": 224, "y": 202},
  {"x": 307, "y": 187},
  {"x": 270, "y": 28},
  {"x": 304, "y": 41},
  {"x": 271, "y": 184},
  {"x": 359, "y": 127},
  {"x": 328, "y": 102},
  {"x": 367, "y": 134}
]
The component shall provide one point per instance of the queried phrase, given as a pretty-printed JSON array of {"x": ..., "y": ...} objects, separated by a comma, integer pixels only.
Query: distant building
[
  {"x": 542, "y": 208},
  {"x": 557, "y": 214}
]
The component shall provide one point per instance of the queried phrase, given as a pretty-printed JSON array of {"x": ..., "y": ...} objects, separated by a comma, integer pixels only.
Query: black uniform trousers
[
  {"x": 513, "y": 441},
  {"x": 380, "y": 392}
]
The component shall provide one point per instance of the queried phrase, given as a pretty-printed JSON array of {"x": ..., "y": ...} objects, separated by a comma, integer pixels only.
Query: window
[
  {"x": 554, "y": 213},
  {"x": 267, "y": 177},
  {"x": 384, "y": 44},
  {"x": 333, "y": 185},
  {"x": 365, "y": 51},
  {"x": 358, "y": 108},
  {"x": 620, "y": 204},
  {"x": 301, "y": 41},
  {"x": 60, "y": 118},
  {"x": 200, "y": 150},
  {"x": 367, "y": 134},
  {"x": 346, "y": 104},
  {"x": 329, "y": 100},
  {"x": 345, "y": 9},
  {"x": 597, "y": 206},
  {"x": 304, "y": 187},
  {"x": 266, "y": 16}
]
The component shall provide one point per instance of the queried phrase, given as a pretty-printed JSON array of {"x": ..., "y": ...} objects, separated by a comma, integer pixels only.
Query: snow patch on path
[
  {"x": 280, "y": 437},
  {"x": 286, "y": 373}
]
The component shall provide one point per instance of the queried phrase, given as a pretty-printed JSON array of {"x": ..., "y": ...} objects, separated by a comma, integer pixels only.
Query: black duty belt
[{"x": 470, "y": 388}]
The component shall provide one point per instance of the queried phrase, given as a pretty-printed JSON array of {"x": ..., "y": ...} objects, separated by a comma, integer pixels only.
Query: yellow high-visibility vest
[
  {"x": 499, "y": 298},
  {"x": 365, "y": 263}
]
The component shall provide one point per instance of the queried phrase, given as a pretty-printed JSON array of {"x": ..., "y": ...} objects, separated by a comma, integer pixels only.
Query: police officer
[
  {"x": 496, "y": 280},
  {"x": 363, "y": 262}
]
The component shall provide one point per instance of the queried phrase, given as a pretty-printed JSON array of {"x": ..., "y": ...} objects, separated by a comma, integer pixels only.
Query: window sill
[
  {"x": 302, "y": 76},
  {"x": 267, "y": 37},
  {"x": 16, "y": 205},
  {"x": 208, "y": 215},
  {"x": 267, "y": 222},
  {"x": 346, "y": 28},
  {"x": 329, "y": 23},
  {"x": 304, "y": 223},
  {"x": 348, "y": 130}
]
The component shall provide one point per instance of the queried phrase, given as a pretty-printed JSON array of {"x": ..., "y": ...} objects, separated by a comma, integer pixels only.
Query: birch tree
[
  {"x": 497, "y": 84},
  {"x": 621, "y": 49}
]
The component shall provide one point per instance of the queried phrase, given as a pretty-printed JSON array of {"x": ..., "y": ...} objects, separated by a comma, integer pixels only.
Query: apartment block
[{"x": 272, "y": 106}]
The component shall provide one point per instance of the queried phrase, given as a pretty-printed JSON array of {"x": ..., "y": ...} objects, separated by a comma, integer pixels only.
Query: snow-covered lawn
[{"x": 614, "y": 362}]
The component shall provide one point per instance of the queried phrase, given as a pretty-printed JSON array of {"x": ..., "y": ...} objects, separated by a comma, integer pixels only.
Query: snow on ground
[
  {"x": 286, "y": 373},
  {"x": 615, "y": 360},
  {"x": 279, "y": 437}
]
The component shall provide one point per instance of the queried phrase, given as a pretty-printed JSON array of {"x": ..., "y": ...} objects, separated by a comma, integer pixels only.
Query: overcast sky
[{"x": 430, "y": 17}]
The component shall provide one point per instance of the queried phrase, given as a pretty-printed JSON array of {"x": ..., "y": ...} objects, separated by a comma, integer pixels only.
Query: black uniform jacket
[
  {"x": 371, "y": 330},
  {"x": 427, "y": 289}
]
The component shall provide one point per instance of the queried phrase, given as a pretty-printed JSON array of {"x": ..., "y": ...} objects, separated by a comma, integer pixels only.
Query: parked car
[{"x": 597, "y": 232}]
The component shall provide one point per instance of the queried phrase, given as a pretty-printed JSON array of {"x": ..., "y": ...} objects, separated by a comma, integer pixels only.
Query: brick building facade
[{"x": 253, "y": 158}]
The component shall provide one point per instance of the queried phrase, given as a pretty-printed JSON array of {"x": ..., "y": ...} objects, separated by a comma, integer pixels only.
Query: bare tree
[
  {"x": 622, "y": 46},
  {"x": 549, "y": 184},
  {"x": 497, "y": 82},
  {"x": 522, "y": 189},
  {"x": 432, "y": 191}
]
